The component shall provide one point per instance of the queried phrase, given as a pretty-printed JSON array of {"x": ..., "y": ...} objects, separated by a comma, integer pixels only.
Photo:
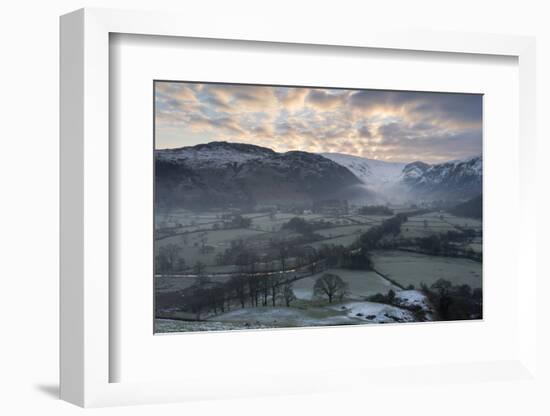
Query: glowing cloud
[{"x": 389, "y": 125}]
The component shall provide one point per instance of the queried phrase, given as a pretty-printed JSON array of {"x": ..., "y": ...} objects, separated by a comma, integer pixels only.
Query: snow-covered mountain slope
[
  {"x": 214, "y": 154},
  {"x": 455, "y": 180},
  {"x": 222, "y": 174},
  {"x": 219, "y": 174},
  {"x": 373, "y": 173},
  {"x": 462, "y": 178}
]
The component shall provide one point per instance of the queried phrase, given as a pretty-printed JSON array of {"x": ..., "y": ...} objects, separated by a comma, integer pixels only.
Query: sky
[{"x": 399, "y": 126}]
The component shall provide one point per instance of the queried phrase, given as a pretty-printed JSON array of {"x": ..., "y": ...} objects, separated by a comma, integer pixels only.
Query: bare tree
[
  {"x": 274, "y": 283},
  {"x": 203, "y": 238},
  {"x": 217, "y": 297},
  {"x": 331, "y": 286},
  {"x": 162, "y": 264},
  {"x": 169, "y": 255},
  {"x": 198, "y": 268},
  {"x": 264, "y": 288},
  {"x": 443, "y": 289},
  {"x": 181, "y": 264},
  {"x": 312, "y": 259},
  {"x": 237, "y": 285},
  {"x": 201, "y": 279},
  {"x": 282, "y": 252},
  {"x": 185, "y": 238},
  {"x": 253, "y": 289},
  {"x": 288, "y": 294},
  {"x": 442, "y": 286},
  {"x": 197, "y": 299}
]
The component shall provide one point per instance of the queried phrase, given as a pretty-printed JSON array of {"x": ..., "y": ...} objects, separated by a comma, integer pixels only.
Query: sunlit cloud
[
  {"x": 387, "y": 125},
  {"x": 291, "y": 99},
  {"x": 325, "y": 99}
]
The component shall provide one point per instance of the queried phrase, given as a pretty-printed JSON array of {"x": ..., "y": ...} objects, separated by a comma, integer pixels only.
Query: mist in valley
[
  {"x": 265, "y": 252},
  {"x": 280, "y": 206}
]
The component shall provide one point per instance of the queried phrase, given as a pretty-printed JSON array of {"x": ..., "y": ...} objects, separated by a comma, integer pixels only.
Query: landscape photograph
[{"x": 286, "y": 206}]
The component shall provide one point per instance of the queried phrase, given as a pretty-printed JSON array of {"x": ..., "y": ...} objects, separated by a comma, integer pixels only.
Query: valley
[
  {"x": 234, "y": 269},
  {"x": 297, "y": 206}
]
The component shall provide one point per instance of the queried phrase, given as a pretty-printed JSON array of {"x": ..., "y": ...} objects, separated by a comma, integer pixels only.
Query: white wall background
[{"x": 29, "y": 206}]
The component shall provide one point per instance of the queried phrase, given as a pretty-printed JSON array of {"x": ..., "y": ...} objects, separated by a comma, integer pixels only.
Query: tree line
[
  {"x": 375, "y": 210},
  {"x": 454, "y": 302},
  {"x": 253, "y": 290}
]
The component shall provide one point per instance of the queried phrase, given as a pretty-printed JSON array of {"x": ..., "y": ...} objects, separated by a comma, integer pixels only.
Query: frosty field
[
  {"x": 360, "y": 284},
  {"x": 415, "y": 269},
  {"x": 203, "y": 239}
]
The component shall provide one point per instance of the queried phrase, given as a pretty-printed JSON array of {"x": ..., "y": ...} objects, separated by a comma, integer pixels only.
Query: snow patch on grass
[
  {"x": 286, "y": 317},
  {"x": 375, "y": 312},
  {"x": 410, "y": 298}
]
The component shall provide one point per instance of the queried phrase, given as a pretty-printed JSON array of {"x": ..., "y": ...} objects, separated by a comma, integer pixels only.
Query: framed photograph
[
  {"x": 237, "y": 208},
  {"x": 292, "y": 206}
]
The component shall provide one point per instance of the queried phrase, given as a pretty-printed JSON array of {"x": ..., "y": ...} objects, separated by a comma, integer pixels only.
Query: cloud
[
  {"x": 466, "y": 108},
  {"x": 239, "y": 98},
  {"x": 364, "y": 132},
  {"x": 222, "y": 124},
  {"x": 403, "y": 142},
  {"x": 325, "y": 99},
  {"x": 165, "y": 91},
  {"x": 454, "y": 109},
  {"x": 370, "y": 98},
  {"x": 292, "y": 99},
  {"x": 392, "y": 125}
]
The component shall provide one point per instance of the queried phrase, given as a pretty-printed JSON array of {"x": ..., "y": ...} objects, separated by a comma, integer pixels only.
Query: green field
[
  {"x": 477, "y": 247},
  {"x": 412, "y": 268},
  {"x": 360, "y": 284},
  {"x": 196, "y": 240},
  {"x": 464, "y": 222},
  {"x": 424, "y": 225},
  {"x": 286, "y": 317},
  {"x": 167, "y": 284},
  {"x": 220, "y": 240},
  {"x": 345, "y": 240},
  {"x": 355, "y": 229}
]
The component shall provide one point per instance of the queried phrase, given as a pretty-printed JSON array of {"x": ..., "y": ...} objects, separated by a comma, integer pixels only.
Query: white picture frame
[{"x": 85, "y": 204}]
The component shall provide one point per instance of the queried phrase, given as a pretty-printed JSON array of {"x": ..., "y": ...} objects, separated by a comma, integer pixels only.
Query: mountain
[
  {"x": 451, "y": 180},
  {"x": 376, "y": 174},
  {"x": 400, "y": 182},
  {"x": 413, "y": 173},
  {"x": 473, "y": 208},
  {"x": 222, "y": 174}
]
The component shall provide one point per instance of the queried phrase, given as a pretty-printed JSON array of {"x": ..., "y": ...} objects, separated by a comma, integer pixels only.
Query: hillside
[{"x": 222, "y": 174}]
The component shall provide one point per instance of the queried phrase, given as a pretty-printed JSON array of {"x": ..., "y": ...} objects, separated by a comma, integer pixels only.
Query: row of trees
[
  {"x": 273, "y": 255},
  {"x": 371, "y": 239},
  {"x": 167, "y": 259},
  {"x": 299, "y": 225},
  {"x": 450, "y": 302},
  {"x": 240, "y": 290},
  {"x": 233, "y": 221},
  {"x": 375, "y": 210},
  {"x": 343, "y": 257},
  {"x": 454, "y": 302},
  {"x": 448, "y": 244},
  {"x": 205, "y": 297},
  {"x": 308, "y": 228},
  {"x": 444, "y": 244},
  {"x": 228, "y": 221}
]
